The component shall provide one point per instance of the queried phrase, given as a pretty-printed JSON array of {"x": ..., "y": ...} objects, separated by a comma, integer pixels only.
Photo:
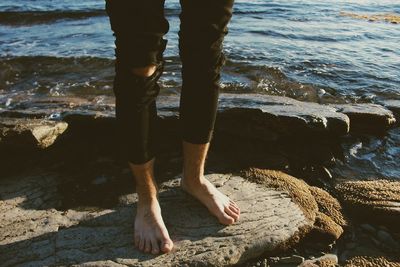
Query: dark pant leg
[
  {"x": 202, "y": 31},
  {"x": 138, "y": 27}
]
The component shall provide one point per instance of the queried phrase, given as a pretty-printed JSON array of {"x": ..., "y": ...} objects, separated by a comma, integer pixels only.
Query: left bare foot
[{"x": 221, "y": 206}]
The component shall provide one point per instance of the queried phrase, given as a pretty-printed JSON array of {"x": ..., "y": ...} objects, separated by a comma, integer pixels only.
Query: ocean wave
[
  {"x": 22, "y": 18},
  {"x": 310, "y": 37},
  {"x": 44, "y": 75},
  {"x": 41, "y": 74}
]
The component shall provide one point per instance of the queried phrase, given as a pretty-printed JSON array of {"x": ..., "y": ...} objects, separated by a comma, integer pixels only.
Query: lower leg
[
  {"x": 145, "y": 71},
  {"x": 151, "y": 234},
  {"x": 194, "y": 182}
]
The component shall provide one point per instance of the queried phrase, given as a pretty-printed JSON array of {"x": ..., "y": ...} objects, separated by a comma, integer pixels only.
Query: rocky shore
[
  {"x": 388, "y": 17},
  {"x": 67, "y": 199}
]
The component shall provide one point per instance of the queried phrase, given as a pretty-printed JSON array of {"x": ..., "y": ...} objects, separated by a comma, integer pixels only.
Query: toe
[
  {"x": 231, "y": 213},
  {"x": 154, "y": 246},
  {"x": 137, "y": 241},
  {"x": 233, "y": 203},
  {"x": 141, "y": 244},
  {"x": 234, "y": 209},
  {"x": 147, "y": 246},
  {"x": 166, "y": 245},
  {"x": 226, "y": 219}
]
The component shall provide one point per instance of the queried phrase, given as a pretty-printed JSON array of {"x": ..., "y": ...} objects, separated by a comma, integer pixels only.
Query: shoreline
[{"x": 76, "y": 142}]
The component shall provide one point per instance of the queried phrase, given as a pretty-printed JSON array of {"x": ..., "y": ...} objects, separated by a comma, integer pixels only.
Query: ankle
[
  {"x": 147, "y": 191},
  {"x": 147, "y": 201},
  {"x": 192, "y": 181}
]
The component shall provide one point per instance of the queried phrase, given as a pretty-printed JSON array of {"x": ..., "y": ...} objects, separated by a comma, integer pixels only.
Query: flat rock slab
[
  {"x": 35, "y": 233},
  {"x": 30, "y": 132},
  {"x": 394, "y": 106},
  {"x": 276, "y": 113},
  {"x": 368, "y": 118},
  {"x": 264, "y": 116}
]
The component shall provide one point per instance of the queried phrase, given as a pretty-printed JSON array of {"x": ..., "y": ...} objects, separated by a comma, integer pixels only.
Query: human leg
[
  {"x": 203, "y": 27},
  {"x": 151, "y": 235},
  {"x": 202, "y": 31},
  {"x": 138, "y": 27},
  {"x": 194, "y": 182}
]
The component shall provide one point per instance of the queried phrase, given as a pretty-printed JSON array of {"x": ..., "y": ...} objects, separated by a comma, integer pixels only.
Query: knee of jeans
[
  {"x": 204, "y": 71},
  {"x": 146, "y": 71},
  {"x": 137, "y": 89}
]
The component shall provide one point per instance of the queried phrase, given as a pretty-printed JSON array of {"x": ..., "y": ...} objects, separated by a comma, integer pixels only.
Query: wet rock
[
  {"x": 351, "y": 245},
  {"x": 325, "y": 173},
  {"x": 286, "y": 115},
  {"x": 368, "y": 228},
  {"x": 374, "y": 201},
  {"x": 29, "y": 132},
  {"x": 101, "y": 179},
  {"x": 394, "y": 106},
  {"x": 367, "y": 118},
  {"x": 254, "y": 116},
  {"x": 104, "y": 237},
  {"x": 259, "y": 115},
  {"x": 387, "y": 239}
]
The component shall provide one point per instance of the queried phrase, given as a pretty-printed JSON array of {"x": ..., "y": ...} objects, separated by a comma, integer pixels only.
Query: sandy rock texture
[
  {"x": 318, "y": 205},
  {"x": 366, "y": 261},
  {"x": 36, "y": 232},
  {"x": 377, "y": 200},
  {"x": 330, "y": 220}
]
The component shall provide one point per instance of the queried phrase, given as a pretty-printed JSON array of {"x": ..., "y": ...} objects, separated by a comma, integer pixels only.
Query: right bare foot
[
  {"x": 151, "y": 235},
  {"x": 220, "y": 205}
]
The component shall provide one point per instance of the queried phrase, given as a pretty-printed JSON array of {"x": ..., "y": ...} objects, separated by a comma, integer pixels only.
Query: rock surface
[
  {"x": 377, "y": 201},
  {"x": 287, "y": 115},
  {"x": 367, "y": 118},
  {"x": 330, "y": 221},
  {"x": 261, "y": 116},
  {"x": 36, "y": 233},
  {"x": 274, "y": 114},
  {"x": 328, "y": 260},
  {"x": 30, "y": 132},
  {"x": 389, "y": 17},
  {"x": 266, "y": 115},
  {"x": 329, "y": 205},
  {"x": 394, "y": 106},
  {"x": 367, "y": 261},
  {"x": 318, "y": 205}
]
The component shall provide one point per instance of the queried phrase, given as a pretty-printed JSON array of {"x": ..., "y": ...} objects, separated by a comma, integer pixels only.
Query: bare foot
[
  {"x": 151, "y": 235},
  {"x": 221, "y": 206}
]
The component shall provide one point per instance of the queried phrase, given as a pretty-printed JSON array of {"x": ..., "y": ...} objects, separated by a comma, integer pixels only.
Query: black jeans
[{"x": 139, "y": 27}]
